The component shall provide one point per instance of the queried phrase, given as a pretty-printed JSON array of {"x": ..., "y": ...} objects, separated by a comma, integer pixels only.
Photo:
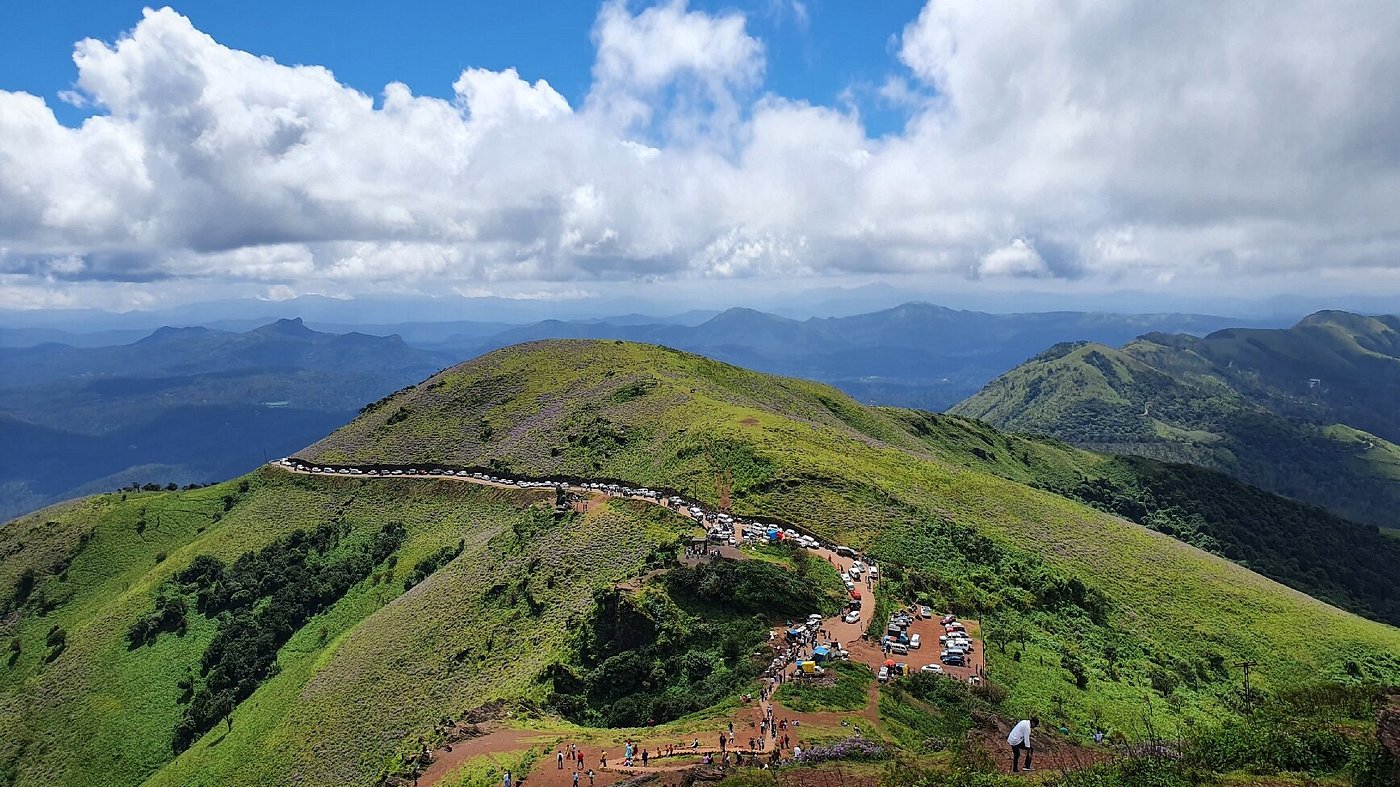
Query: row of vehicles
[{"x": 956, "y": 644}]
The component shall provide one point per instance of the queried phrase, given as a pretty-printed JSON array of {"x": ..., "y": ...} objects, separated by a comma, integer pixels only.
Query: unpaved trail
[{"x": 745, "y": 719}]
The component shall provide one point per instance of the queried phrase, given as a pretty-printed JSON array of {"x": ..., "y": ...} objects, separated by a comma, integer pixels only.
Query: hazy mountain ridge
[{"x": 197, "y": 403}]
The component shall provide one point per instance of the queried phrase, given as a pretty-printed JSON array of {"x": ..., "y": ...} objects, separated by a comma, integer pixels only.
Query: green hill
[
  {"x": 406, "y": 600},
  {"x": 1306, "y": 412}
]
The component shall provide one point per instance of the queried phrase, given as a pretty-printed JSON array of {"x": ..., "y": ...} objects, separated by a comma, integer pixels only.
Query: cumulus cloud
[{"x": 1129, "y": 142}]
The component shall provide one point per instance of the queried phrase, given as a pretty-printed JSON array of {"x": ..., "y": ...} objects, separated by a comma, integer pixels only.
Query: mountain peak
[
  {"x": 169, "y": 332},
  {"x": 293, "y": 326}
]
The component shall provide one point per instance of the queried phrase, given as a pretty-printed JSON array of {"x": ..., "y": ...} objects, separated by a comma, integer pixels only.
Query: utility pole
[{"x": 1248, "y": 695}]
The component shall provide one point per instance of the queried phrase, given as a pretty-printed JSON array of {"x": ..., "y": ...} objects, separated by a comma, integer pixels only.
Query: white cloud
[
  {"x": 1113, "y": 143},
  {"x": 1017, "y": 258}
]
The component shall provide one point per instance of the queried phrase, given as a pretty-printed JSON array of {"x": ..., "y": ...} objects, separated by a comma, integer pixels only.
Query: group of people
[{"x": 573, "y": 755}]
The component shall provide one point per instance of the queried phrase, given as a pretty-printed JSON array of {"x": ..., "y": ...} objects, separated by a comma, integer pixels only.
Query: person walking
[
  {"x": 590, "y": 777},
  {"x": 505, "y": 780},
  {"x": 1020, "y": 740},
  {"x": 575, "y": 779},
  {"x": 560, "y": 757}
]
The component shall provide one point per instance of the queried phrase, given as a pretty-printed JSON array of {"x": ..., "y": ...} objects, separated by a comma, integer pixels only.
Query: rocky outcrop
[{"x": 1388, "y": 730}]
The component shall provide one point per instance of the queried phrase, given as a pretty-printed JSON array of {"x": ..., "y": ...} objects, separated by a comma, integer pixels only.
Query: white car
[
  {"x": 850, "y": 585},
  {"x": 884, "y": 674},
  {"x": 914, "y": 641},
  {"x": 931, "y": 669},
  {"x": 853, "y": 616}
]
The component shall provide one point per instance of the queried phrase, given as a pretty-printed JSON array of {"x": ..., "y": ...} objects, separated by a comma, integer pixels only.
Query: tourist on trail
[
  {"x": 1020, "y": 740},
  {"x": 561, "y": 759},
  {"x": 721, "y": 741},
  {"x": 602, "y": 759},
  {"x": 505, "y": 780},
  {"x": 575, "y": 778},
  {"x": 731, "y": 726},
  {"x": 645, "y": 757},
  {"x": 580, "y": 759},
  {"x": 590, "y": 777}
]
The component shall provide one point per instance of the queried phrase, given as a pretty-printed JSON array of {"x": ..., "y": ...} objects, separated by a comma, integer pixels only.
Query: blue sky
[
  {"x": 954, "y": 150},
  {"x": 826, "y": 52}
]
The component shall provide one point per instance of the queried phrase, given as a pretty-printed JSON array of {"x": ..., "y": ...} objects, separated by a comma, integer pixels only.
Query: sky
[{"x": 704, "y": 152}]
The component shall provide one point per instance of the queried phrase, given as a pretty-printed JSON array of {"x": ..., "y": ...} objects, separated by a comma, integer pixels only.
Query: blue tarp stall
[
  {"x": 821, "y": 654},
  {"x": 794, "y": 634},
  {"x": 772, "y": 534}
]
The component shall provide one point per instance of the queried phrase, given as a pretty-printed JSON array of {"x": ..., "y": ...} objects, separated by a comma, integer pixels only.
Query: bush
[{"x": 853, "y": 748}]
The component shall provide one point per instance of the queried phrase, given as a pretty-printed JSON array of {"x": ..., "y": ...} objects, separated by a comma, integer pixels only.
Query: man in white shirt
[{"x": 1020, "y": 740}]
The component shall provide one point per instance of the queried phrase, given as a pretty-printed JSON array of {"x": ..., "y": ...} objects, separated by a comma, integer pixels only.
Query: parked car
[
  {"x": 900, "y": 648},
  {"x": 931, "y": 669},
  {"x": 884, "y": 674},
  {"x": 925, "y": 612},
  {"x": 949, "y": 619},
  {"x": 853, "y": 616},
  {"x": 914, "y": 642}
]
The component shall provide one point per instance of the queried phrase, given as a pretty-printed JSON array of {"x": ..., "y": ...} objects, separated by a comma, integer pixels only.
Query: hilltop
[
  {"x": 493, "y": 594},
  {"x": 1306, "y": 412}
]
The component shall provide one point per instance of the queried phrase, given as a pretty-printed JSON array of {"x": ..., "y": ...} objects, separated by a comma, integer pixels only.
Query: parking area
[{"x": 852, "y": 636}]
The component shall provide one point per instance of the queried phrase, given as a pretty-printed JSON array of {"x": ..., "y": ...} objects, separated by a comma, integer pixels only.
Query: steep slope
[
  {"x": 1305, "y": 412},
  {"x": 377, "y": 668}
]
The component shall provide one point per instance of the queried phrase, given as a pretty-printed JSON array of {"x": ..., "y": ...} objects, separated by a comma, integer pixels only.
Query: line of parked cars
[{"x": 956, "y": 644}]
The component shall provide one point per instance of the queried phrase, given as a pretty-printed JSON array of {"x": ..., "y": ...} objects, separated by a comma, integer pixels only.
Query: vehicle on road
[
  {"x": 931, "y": 669},
  {"x": 925, "y": 612},
  {"x": 853, "y": 616},
  {"x": 884, "y": 674},
  {"x": 914, "y": 642}
]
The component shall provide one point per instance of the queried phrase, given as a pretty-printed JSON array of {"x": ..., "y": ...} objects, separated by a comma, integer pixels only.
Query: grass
[
  {"x": 489, "y": 770},
  {"x": 849, "y": 692},
  {"x": 379, "y": 666},
  {"x": 1225, "y": 403},
  {"x": 874, "y": 478}
]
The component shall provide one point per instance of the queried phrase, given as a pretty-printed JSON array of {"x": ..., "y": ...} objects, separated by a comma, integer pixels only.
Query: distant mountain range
[
  {"x": 182, "y": 405},
  {"x": 914, "y": 355},
  {"x": 1308, "y": 412},
  {"x": 193, "y": 404}
]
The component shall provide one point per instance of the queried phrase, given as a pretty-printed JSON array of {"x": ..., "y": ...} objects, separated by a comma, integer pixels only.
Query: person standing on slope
[{"x": 1020, "y": 740}]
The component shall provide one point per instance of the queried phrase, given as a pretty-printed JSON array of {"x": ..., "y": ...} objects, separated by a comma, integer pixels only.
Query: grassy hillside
[
  {"x": 1305, "y": 412},
  {"x": 1090, "y": 616},
  {"x": 804, "y": 452},
  {"x": 379, "y": 666}
]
